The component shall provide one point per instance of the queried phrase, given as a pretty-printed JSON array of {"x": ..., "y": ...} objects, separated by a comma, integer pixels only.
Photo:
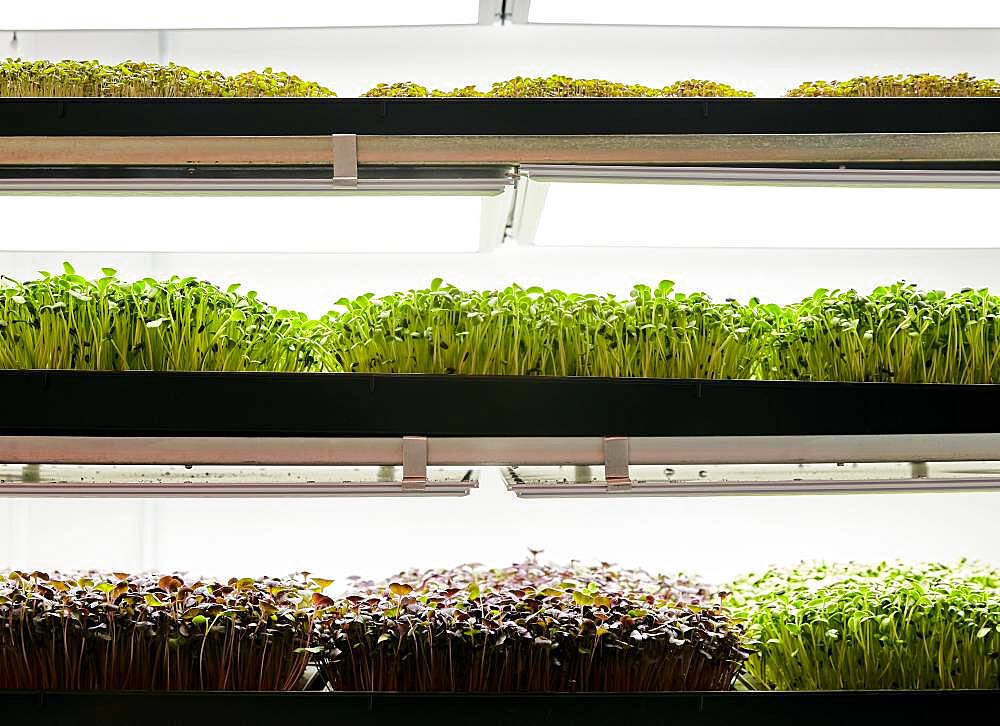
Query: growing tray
[
  {"x": 378, "y": 709},
  {"x": 307, "y": 116},
  {"x": 140, "y": 403}
]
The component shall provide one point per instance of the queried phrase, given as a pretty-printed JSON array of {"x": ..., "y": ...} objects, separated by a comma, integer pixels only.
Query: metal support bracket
[
  {"x": 616, "y": 473},
  {"x": 414, "y": 462},
  {"x": 345, "y": 160}
]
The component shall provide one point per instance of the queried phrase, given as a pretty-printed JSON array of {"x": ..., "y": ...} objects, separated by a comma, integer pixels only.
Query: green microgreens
[
  {"x": 132, "y": 79},
  {"x": 527, "y": 627},
  {"x": 895, "y": 334},
  {"x": 921, "y": 84},
  {"x": 557, "y": 86},
  {"x": 530, "y": 331},
  {"x": 67, "y": 321},
  {"x": 138, "y": 79},
  {"x": 888, "y": 626}
]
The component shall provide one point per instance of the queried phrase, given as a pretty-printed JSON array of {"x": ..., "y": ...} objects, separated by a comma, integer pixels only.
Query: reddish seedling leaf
[{"x": 322, "y": 601}]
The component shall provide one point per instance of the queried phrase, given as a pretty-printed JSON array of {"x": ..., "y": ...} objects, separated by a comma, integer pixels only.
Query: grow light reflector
[
  {"x": 119, "y": 14},
  {"x": 727, "y": 213},
  {"x": 778, "y": 13},
  {"x": 85, "y": 481},
  {"x": 746, "y": 480}
]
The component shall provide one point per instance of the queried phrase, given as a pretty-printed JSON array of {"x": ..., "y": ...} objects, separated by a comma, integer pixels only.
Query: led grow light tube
[
  {"x": 759, "y": 175},
  {"x": 233, "y": 14},
  {"x": 497, "y": 451},
  {"x": 243, "y": 490},
  {"x": 410, "y": 452},
  {"x": 774, "y": 14},
  {"x": 555, "y": 489},
  {"x": 442, "y": 186}
]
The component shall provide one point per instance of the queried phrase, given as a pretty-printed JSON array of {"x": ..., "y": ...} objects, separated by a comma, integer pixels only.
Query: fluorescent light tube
[
  {"x": 247, "y": 224},
  {"x": 776, "y": 13},
  {"x": 127, "y": 14}
]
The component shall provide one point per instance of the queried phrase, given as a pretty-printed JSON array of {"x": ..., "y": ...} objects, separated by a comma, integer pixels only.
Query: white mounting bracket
[
  {"x": 616, "y": 460},
  {"x": 345, "y": 160},
  {"x": 490, "y": 12},
  {"x": 515, "y": 11},
  {"x": 414, "y": 462}
]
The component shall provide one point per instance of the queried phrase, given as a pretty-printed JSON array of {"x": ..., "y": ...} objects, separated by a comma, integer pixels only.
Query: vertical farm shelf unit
[
  {"x": 418, "y": 421},
  {"x": 79, "y": 433},
  {"x": 485, "y": 146}
]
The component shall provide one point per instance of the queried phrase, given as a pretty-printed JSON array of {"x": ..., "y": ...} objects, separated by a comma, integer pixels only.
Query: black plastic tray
[
  {"x": 144, "y": 403},
  {"x": 880, "y": 708},
  {"x": 293, "y": 116}
]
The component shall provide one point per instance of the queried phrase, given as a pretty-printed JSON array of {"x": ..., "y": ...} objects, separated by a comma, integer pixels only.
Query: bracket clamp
[
  {"x": 345, "y": 160},
  {"x": 616, "y": 473},
  {"x": 414, "y": 462}
]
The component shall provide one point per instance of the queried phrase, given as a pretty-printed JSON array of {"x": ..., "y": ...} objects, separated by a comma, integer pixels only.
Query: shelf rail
[
  {"x": 410, "y": 453},
  {"x": 416, "y": 453},
  {"x": 495, "y": 451},
  {"x": 494, "y": 149}
]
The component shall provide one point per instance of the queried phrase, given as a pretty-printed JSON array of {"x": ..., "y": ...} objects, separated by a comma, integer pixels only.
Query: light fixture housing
[
  {"x": 626, "y": 463},
  {"x": 778, "y": 13},
  {"x": 185, "y": 14},
  {"x": 255, "y": 210},
  {"x": 756, "y": 207}
]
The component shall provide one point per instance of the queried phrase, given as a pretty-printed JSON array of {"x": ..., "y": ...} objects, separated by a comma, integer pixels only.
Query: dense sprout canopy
[
  {"x": 90, "y": 78},
  {"x": 890, "y": 625},
  {"x": 529, "y": 627},
  {"x": 110, "y": 631},
  {"x": 139, "y": 79},
  {"x": 541, "y": 574},
  {"x": 557, "y": 86},
  {"x": 655, "y": 332},
  {"x": 895, "y": 334},
  {"x": 68, "y": 321},
  {"x": 915, "y": 85}
]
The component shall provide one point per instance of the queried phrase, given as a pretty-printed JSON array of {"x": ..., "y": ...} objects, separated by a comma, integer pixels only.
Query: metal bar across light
[
  {"x": 496, "y": 451},
  {"x": 416, "y": 453},
  {"x": 758, "y": 175},
  {"x": 586, "y": 149}
]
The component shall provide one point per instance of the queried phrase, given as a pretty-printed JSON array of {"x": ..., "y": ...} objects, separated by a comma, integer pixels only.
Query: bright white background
[
  {"x": 378, "y": 537},
  {"x": 304, "y": 13},
  {"x": 860, "y": 241}
]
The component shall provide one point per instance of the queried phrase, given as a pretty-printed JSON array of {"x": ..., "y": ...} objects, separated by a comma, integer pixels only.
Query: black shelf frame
[
  {"x": 435, "y": 116},
  {"x": 860, "y": 708},
  {"x": 145, "y": 403}
]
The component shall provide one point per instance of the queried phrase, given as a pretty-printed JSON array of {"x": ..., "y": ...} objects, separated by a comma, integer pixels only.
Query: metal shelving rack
[
  {"x": 120, "y": 135},
  {"x": 407, "y": 424},
  {"x": 416, "y": 422},
  {"x": 484, "y": 146},
  {"x": 376, "y": 709}
]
